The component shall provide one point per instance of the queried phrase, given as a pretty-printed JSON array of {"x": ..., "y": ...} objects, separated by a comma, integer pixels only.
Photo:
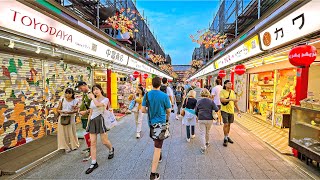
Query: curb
[{"x": 21, "y": 172}]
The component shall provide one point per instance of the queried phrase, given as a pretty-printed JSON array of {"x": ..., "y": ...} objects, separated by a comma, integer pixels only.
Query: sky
[{"x": 174, "y": 21}]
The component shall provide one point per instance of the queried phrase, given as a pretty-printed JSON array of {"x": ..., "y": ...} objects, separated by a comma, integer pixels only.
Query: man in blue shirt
[{"x": 159, "y": 112}]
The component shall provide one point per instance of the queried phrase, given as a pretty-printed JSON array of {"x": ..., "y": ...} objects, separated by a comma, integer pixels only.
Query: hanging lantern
[
  {"x": 302, "y": 56},
  {"x": 222, "y": 73},
  {"x": 136, "y": 74},
  {"x": 240, "y": 69},
  {"x": 145, "y": 76}
]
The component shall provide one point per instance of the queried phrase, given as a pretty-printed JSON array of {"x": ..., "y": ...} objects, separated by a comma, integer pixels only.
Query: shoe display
[
  {"x": 111, "y": 154},
  {"x": 188, "y": 140},
  {"x": 225, "y": 142},
  {"x": 193, "y": 136},
  {"x": 154, "y": 176},
  {"x": 230, "y": 140},
  {"x": 91, "y": 168}
]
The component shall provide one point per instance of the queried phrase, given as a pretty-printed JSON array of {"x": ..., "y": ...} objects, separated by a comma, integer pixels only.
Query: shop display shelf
[
  {"x": 311, "y": 153},
  {"x": 265, "y": 85},
  {"x": 308, "y": 125}
]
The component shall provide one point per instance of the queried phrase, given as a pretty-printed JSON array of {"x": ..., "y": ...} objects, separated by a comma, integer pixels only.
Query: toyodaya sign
[
  {"x": 20, "y": 18},
  {"x": 246, "y": 50},
  {"x": 299, "y": 23}
]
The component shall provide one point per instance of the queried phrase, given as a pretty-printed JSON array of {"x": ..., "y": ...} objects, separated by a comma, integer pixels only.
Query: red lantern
[
  {"x": 145, "y": 76},
  {"x": 222, "y": 73},
  {"x": 136, "y": 74},
  {"x": 240, "y": 69},
  {"x": 302, "y": 56}
]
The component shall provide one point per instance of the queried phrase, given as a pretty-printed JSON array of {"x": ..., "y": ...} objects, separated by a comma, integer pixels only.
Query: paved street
[{"x": 248, "y": 158}]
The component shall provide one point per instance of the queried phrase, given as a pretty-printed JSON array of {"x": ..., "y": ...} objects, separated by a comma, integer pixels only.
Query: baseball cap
[{"x": 81, "y": 83}]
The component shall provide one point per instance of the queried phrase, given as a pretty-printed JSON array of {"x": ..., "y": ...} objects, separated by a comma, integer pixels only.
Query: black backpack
[
  {"x": 178, "y": 96},
  {"x": 163, "y": 88}
]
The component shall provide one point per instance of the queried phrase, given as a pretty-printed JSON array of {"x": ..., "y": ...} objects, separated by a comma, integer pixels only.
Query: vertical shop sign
[
  {"x": 294, "y": 26},
  {"x": 114, "y": 91}
]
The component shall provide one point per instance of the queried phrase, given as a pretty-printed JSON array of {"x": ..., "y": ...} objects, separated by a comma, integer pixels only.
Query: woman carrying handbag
[
  {"x": 189, "y": 115},
  {"x": 67, "y": 131}
]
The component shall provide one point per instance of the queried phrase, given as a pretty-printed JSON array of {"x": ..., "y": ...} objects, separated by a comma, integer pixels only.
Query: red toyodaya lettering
[
  {"x": 35, "y": 23},
  {"x": 15, "y": 14},
  {"x": 64, "y": 35},
  {"x": 69, "y": 38},
  {"x": 22, "y": 20},
  {"x": 51, "y": 31},
  {"x": 44, "y": 25},
  {"x": 59, "y": 34}
]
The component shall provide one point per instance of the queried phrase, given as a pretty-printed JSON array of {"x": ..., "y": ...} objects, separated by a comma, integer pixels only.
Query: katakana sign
[{"x": 299, "y": 23}]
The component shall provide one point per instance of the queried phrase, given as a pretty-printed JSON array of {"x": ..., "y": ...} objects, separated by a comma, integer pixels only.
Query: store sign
[
  {"x": 23, "y": 19},
  {"x": 298, "y": 24},
  {"x": 246, "y": 50}
]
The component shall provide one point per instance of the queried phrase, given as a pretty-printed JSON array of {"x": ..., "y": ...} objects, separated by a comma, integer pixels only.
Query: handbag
[
  {"x": 158, "y": 131},
  {"x": 109, "y": 118},
  {"x": 183, "y": 112},
  {"x": 66, "y": 119},
  {"x": 226, "y": 103}
]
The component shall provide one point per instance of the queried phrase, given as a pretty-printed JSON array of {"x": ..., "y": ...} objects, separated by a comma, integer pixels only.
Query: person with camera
[
  {"x": 228, "y": 103},
  {"x": 67, "y": 131},
  {"x": 158, "y": 111}
]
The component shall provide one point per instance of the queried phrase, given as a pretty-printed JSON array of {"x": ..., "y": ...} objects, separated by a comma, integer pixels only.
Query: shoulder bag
[
  {"x": 64, "y": 119},
  {"x": 183, "y": 112},
  {"x": 226, "y": 103},
  {"x": 158, "y": 131}
]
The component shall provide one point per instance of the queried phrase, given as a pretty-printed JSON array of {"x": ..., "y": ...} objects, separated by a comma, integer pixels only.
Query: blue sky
[{"x": 174, "y": 21}]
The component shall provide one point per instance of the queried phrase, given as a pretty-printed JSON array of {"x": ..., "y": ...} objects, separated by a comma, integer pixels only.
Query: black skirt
[{"x": 97, "y": 125}]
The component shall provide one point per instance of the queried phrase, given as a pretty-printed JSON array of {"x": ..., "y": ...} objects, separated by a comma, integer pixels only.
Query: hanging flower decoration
[
  {"x": 155, "y": 58},
  {"x": 174, "y": 75},
  {"x": 166, "y": 67},
  {"x": 124, "y": 23},
  {"x": 209, "y": 39},
  {"x": 196, "y": 63}
]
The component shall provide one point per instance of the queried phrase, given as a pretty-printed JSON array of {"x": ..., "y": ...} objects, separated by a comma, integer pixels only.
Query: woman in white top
[
  {"x": 67, "y": 134},
  {"x": 96, "y": 124},
  {"x": 216, "y": 98}
]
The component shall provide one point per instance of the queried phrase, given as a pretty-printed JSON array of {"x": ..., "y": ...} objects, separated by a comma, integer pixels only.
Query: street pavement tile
[{"x": 246, "y": 159}]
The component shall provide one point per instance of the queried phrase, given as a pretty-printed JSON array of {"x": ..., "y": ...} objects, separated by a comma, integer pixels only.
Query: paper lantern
[
  {"x": 240, "y": 69},
  {"x": 222, "y": 73},
  {"x": 302, "y": 56},
  {"x": 136, "y": 74},
  {"x": 145, "y": 76}
]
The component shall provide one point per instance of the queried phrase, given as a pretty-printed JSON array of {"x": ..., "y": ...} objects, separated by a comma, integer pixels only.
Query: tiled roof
[{"x": 181, "y": 67}]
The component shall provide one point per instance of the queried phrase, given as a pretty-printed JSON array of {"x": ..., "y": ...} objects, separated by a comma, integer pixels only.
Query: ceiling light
[
  {"x": 38, "y": 50},
  {"x": 11, "y": 44}
]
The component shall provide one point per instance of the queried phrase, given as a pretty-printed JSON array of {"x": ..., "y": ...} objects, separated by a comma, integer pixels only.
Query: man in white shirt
[
  {"x": 166, "y": 89},
  {"x": 216, "y": 98}
]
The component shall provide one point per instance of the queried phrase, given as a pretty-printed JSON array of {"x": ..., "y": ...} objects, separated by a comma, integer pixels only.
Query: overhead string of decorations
[{"x": 209, "y": 39}]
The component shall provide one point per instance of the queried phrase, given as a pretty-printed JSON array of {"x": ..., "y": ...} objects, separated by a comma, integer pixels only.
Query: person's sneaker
[
  {"x": 154, "y": 176},
  {"x": 85, "y": 159},
  {"x": 230, "y": 140},
  {"x": 177, "y": 117},
  {"x": 91, "y": 168},
  {"x": 188, "y": 140},
  {"x": 193, "y": 136},
  {"x": 225, "y": 142},
  {"x": 138, "y": 135},
  {"x": 111, "y": 154},
  {"x": 202, "y": 150},
  {"x": 160, "y": 159},
  {"x": 208, "y": 145}
]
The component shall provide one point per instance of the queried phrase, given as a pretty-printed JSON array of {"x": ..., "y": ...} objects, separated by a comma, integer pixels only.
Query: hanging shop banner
[
  {"x": 292, "y": 27},
  {"x": 114, "y": 91},
  {"x": 133, "y": 63},
  {"x": 23, "y": 19},
  {"x": 246, "y": 50}
]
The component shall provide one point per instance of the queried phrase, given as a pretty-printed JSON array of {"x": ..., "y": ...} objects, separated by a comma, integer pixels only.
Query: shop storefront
[{"x": 40, "y": 58}]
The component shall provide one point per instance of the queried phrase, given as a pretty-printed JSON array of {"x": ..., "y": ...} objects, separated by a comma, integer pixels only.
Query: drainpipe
[
  {"x": 98, "y": 16},
  {"x": 259, "y": 6}
]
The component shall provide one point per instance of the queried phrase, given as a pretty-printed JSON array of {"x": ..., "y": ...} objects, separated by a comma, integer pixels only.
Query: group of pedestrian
[{"x": 92, "y": 109}]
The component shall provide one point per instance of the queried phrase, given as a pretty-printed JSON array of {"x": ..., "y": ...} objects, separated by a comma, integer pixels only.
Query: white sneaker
[
  {"x": 188, "y": 140},
  {"x": 193, "y": 136},
  {"x": 138, "y": 135}
]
